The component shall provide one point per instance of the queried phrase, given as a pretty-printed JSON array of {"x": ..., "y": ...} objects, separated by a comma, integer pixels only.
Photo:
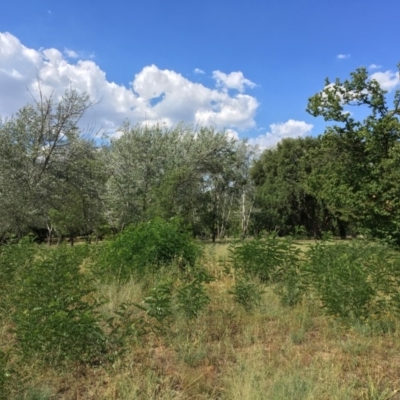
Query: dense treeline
[{"x": 54, "y": 182}]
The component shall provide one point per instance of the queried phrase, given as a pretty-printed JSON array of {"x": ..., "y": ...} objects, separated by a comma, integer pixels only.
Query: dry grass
[{"x": 272, "y": 353}]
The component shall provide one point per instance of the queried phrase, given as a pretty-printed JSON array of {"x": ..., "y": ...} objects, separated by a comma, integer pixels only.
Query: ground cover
[{"x": 195, "y": 333}]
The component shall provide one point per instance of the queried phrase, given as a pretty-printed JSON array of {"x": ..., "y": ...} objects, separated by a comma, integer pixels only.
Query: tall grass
[{"x": 211, "y": 330}]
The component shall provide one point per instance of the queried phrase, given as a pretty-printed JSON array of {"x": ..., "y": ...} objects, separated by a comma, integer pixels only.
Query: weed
[
  {"x": 271, "y": 260},
  {"x": 357, "y": 281},
  {"x": 158, "y": 303},
  {"x": 246, "y": 293},
  {"x": 55, "y": 312},
  {"x": 298, "y": 337},
  {"x": 292, "y": 387}
]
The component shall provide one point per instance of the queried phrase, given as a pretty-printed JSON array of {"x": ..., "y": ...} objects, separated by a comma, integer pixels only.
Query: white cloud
[
  {"x": 184, "y": 100},
  {"x": 388, "y": 80},
  {"x": 155, "y": 95},
  {"x": 342, "y": 56},
  {"x": 374, "y": 66},
  {"x": 198, "y": 71},
  {"x": 70, "y": 53},
  {"x": 279, "y": 131},
  {"x": 234, "y": 80},
  {"x": 232, "y": 134}
]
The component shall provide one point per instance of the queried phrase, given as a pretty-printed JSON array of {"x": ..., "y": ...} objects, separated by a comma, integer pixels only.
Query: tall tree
[
  {"x": 35, "y": 146},
  {"x": 283, "y": 201},
  {"x": 350, "y": 167},
  {"x": 180, "y": 171}
]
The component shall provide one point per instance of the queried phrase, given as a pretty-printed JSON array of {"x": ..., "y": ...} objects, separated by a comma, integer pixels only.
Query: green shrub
[
  {"x": 184, "y": 292},
  {"x": 271, "y": 260},
  {"x": 13, "y": 258},
  {"x": 356, "y": 281},
  {"x": 192, "y": 298},
  {"x": 158, "y": 303},
  {"x": 268, "y": 258},
  {"x": 55, "y": 314},
  {"x": 246, "y": 293},
  {"x": 147, "y": 248}
]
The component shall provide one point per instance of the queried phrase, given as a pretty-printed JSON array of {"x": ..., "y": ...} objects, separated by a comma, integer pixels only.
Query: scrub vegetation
[
  {"x": 315, "y": 321},
  {"x": 204, "y": 269}
]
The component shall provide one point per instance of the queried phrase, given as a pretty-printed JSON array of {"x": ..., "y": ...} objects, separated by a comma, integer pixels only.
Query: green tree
[
  {"x": 351, "y": 166},
  {"x": 155, "y": 171},
  {"x": 35, "y": 146},
  {"x": 283, "y": 201}
]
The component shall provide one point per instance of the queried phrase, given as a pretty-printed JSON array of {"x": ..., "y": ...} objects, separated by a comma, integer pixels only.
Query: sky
[{"x": 247, "y": 67}]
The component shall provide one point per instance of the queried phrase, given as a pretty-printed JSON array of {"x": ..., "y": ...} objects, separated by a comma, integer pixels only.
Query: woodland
[
  {"x": 202, "y": 268},
  {"x": 55, "y": 182}
]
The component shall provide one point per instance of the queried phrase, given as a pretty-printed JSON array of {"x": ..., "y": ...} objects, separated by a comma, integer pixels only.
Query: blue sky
[{"x": 257, "y": 61}]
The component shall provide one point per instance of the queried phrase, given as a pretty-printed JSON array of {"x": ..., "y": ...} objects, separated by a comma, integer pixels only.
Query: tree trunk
[
  {"x": 50, "y": 234},
  {"x": 342, "y": 229}
]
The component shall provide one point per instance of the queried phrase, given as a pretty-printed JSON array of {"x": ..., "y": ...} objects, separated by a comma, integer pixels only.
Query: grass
[{"x": 273, "y": 352}]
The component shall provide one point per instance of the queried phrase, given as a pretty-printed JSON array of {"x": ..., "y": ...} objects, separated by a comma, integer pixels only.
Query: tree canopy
[{"x": 54, "y": 181}]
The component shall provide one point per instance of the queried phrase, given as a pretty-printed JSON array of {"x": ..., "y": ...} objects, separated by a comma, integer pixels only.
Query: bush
[
  {"x": 55, "y": 314},
  {"x": 13, "y": 258},
  {"x": 192, "y": 298},
  {"x": 246, "y": 293},
  {"x": 271, "y": 260},
  {"x": 147, "y": 248},
  {"x": 158, "y": 302},
  {"x": 268, "y": 258},
  {"x": 356, "y": 280},
  {"x": 171, "y": 293}
]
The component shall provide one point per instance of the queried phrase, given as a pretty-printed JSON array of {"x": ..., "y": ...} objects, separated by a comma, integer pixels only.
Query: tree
[
  {"x": 137, "y": 164},
  {"x": 35, "y": 147},
  {"x": 351, "y": 166},
  {"x": 283, "y": 201},
  {"x": 155, "y": 171}
]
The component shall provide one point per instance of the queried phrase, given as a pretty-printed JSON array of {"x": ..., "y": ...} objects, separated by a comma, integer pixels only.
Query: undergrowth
[{"x": 274, "y": 321}]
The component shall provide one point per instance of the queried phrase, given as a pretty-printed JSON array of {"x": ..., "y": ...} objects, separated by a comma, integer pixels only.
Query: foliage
[
  {"x": 353, "y": 170},
  {"x": 246, "y": 293},
  {"x": 53, "y": 181},
  {"x": 192, "y": 297},
  {"x": 122, "y": 328},
  {"x": 55, "y": 313},
  {"x": 13, "y": 258},
  {"x": 357, "y": 280},
  {"x": 40, "y": 149},
  {"x": 271, "y": 260},
  {"x": 198, "y": 175},
  {"x": 146, "y": 248},
  {"x": 268, "y": 258},
  {"x": 158, "y": 302},
  {"x": 173, "y": 328},
  {"x": 283, "y": 201}
]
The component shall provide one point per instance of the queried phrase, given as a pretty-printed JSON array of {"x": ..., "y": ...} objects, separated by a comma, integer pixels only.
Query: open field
[{"x": 269, "y": 352}]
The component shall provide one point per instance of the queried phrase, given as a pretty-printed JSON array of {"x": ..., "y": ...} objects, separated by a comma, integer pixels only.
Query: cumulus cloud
[
  {"x": 342, "y": 56},
  {"x": 279, "y": 131},
  {"x": 70, "y": 53},
  {"x": 232, "y": 134},
  {"x": 155, "y": 95},
  {"x": 234, "y": 80},
  {"x": 198, "y": 71},
  {"x": 388, "y": 80},
  {"x": 374, "y": 66}
]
